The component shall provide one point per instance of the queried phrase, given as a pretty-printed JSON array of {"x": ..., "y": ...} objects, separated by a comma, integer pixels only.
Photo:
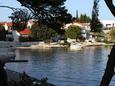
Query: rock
[{"x": 75, "y": 46}]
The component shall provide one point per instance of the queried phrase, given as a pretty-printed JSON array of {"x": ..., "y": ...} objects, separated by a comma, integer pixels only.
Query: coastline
[
  {"x": 42, "y": 45},
  {"x": 49, "y": 46}
]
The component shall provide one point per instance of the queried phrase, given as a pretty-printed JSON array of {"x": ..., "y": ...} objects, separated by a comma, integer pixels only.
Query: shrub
[
  {"x": 112, "y": 35},
  {"x": 73, "y": 32},
  {"x": 42, "y": 32}
]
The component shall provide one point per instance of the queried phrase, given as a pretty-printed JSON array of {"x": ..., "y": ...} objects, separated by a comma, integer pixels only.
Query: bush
[
  {"x": 73, "y": 32},
  {"x": 26, "y": 39},
  {"x": 112, "y": 34},
  {"x": 42, "y": 32}
]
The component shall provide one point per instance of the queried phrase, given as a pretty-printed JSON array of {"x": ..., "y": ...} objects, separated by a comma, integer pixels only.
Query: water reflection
[{"x": 64, "y": 67}]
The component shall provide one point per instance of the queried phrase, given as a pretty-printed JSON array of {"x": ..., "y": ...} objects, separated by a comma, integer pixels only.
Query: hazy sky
[{"x": 83, "y": 6}]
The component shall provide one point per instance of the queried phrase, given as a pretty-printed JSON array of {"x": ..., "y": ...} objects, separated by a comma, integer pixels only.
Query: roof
[
  {"x": 73, "y": 24},
  {"x": 25, "y": 32},
  {"x": 8, "y": 23}
]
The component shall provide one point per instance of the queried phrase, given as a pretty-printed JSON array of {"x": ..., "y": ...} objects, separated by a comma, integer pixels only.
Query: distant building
[
  {"x": 7, "y": 25},
  {"x": 8, "y": 28},
  {"x": 30, "y": 23},
  {"x": 108, "y": 24},
  {"x": 25, "y": 33},
  {"x": 13, "y": 35},
  {"x": 85, "y": 28}
]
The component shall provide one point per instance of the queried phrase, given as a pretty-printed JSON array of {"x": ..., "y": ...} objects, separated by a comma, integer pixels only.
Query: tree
[
  {"x": 73, "y": 32},
  {"x": 110, "y": 6},
  {"x": 42, "y": 32},
  {"x": 20, "y": 18},
  {"x": 109, "y": 71},
  {"x": 84, "y": 18},
  {"x": 95, "y": 24},
  {"x": 49, "y": 12}
]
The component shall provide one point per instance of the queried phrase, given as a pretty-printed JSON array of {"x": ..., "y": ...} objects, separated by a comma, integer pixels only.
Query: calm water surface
[{"x": 64, "y": 67}]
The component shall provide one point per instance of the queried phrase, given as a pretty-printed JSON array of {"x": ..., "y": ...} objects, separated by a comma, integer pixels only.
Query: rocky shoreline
[
  {"x": 34, "y": 45},
  {"x": 73, "y": 46}
]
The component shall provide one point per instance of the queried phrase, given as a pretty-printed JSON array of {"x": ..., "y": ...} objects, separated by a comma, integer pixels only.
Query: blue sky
[{"x": 83, "y": 6}]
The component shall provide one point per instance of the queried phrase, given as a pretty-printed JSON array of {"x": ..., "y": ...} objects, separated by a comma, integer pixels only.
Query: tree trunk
[
  {"x": 109, "y": 71},
  {"x": 110, "y": 6}
]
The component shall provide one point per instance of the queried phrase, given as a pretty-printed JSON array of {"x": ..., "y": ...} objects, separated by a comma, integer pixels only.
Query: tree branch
[{"x": 110, "y": 6}]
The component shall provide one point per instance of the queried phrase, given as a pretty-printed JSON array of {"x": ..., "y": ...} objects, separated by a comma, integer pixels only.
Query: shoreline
[
  {"x": 42, "y": 45},
  {"x": 49, "y": 46}
]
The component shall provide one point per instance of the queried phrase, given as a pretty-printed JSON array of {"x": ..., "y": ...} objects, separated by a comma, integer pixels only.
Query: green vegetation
[
  {"x": 84, "y": 18},
  {"x": 112, "y": 34},
  {"x": 20, "y": 18},
  {"x": 95, "y": 23},
  {"x": 99, "y": 36},
  {"x": 48, "y": 12},
  {"x": 26, "y": 39},
  {"x": 73, "y": 32},
  {"x": 42, "y": 32}
]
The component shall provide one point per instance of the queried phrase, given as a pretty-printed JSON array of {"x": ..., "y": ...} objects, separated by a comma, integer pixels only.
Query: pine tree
[
  {"x": 84, "y": 18},
  {"x": 49, "y": 12},
  {"x": 95, "y": 22}
]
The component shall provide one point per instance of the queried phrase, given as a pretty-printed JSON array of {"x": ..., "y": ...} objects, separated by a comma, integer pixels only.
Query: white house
[
  {"x": 85, "y": 28},
  {"x": 14, "y": 35},
  {"x": 108, "y": 23},
  {"x": 7, "y": 25},
  {"x": 30, "y": 23}
]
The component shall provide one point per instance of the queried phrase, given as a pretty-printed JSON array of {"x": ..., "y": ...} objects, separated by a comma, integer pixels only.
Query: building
[
  {"x": 7, "y": 25},
  {"x": 25, "y": 33},
  {"x": 30, "y": 23},
  {"x": 108, "y": 24},
  {"x": 85, "y": 28},
  {"x": 13, "y": 35}
]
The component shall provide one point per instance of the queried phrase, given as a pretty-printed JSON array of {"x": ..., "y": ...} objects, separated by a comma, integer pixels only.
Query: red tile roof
[
  {"x": 25, "y": 32},
  {"x": 8, "y": 23}
]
